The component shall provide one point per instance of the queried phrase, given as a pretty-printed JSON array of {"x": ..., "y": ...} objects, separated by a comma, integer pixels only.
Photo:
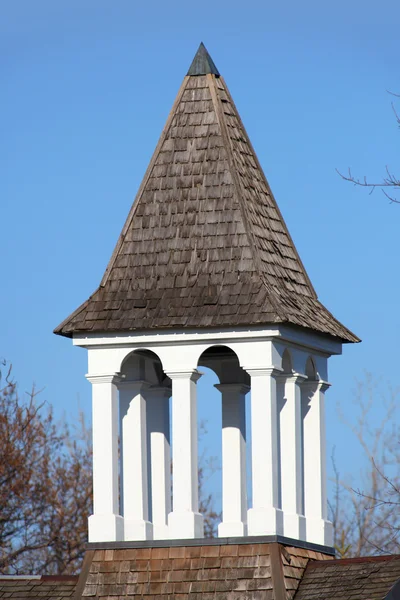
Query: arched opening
[
  {"x": 145, "y": 455},
  {"x": 144, "y": 365},
  {"x": 222, "y": 434}
]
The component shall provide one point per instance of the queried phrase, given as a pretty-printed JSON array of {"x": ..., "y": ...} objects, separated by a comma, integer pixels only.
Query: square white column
[
  {"x": 234, "y": 481},
  {"x": 294, "y": 524},
  {"x": 318, "y": 528},
  {"x": 105, "y": 525},
  {"x": 184, "y": 521},
  {"x": 265, "y": 517},
  {"x": 135, "y": 475},
  {"x": 160, "y": 459}
]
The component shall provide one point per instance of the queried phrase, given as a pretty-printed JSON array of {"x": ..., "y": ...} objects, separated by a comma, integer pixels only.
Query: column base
[
  {"x": 319, "y": 531},
  {"x": 265, "y": 521},
  {"x": 160, "y": 532},
  {"x": 294, "y": 526},
  {"x": 106, "y": 528},
  {"x": 232, "y": 529},
  {"x": 185, "y": 525},
  {"x": 137, "y": 530}
]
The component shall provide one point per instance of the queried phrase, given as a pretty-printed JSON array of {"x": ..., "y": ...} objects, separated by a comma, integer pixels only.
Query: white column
[
  {"x": 318, "y": 528},
  {"x": 294, "y": 525},
  {"x": 135, "y": 481},
  {"x": 265, "y": 517},
  {"x": 234, "y": 492},
  {"x": 105, "y": 524},
  {"x": 184, "y": 521},
  {"x": 160, "y": 459}
]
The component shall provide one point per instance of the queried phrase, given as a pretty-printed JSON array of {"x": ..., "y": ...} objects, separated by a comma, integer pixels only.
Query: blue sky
[{"x": 86, "y": 89}]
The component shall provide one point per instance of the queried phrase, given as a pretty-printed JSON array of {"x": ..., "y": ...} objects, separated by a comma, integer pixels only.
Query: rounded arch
[
  {"x": 311, "y": 370},
  {"x": 287, "y": 363},
  {"x": 143, "y": 364},
  {"x": 224, "y": 361}
]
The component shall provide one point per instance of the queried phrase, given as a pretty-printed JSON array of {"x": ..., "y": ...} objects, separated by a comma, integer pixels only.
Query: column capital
[
  {"x": 192, "y": 374},
  {"x": 323, "y": 386},
  {"x": 262, "y": 371},
  {"x": 316, "y": 385},
  {"x": 103, "y": 378},
  {"x": 240, "y": 388},
  {"x": 291, "y": 377},
  {"x": 133, "y": 384}
]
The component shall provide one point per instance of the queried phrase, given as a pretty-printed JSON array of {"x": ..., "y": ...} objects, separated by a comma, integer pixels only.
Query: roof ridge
[
  {"x": 237, "y": 184},
  {"x": 261, "y": 170}
]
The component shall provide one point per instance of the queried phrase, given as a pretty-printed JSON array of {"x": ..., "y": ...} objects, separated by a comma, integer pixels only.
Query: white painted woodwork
[
  {"x": 294, "y": 524},
  {"x": 319, "y": 529},
  {"x": 160, "y": 459},
  {"x": 185, "y": 520},
  {"x": 234, "y": 481},
  {"x": 105, "y": 524},
  {"x": 280, "y": 494},
  {"x": 264, "y": 517},
  {"x": 135, "y": 471},
  {"x": 297, "y": 338}
]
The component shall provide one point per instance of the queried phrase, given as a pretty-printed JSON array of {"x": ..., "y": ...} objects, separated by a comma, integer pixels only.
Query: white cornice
[{"x": 308, "y": 340}]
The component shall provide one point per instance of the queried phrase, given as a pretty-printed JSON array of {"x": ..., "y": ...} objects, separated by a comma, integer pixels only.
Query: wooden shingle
[
  {"x": 45, "y": 587},
  {"x": 366, "y": 578},
  {"x": 253, "y": 571},
  {"x": 204, "y": 217}
]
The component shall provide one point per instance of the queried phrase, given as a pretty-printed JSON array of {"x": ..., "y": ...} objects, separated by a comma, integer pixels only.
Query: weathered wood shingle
[
  {"x": 209, "y": 572},
  {"x": 46, "y": 587},
  {"x": 366, "y": 578},
  {"x": 204, "y": 244}
]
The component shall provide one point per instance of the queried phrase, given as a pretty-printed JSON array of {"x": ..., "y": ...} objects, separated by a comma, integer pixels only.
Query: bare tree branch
[
  {"x": 389, "y": 181},
  {"x": 366, "y": 518}
]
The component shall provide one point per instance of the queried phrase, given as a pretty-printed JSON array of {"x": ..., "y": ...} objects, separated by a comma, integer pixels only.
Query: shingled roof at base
[
  {"x": 204, "y": 244},
  {"x": 45, "y": 588},
  {"x": 232, "y": 571},
  {"x": 247, "y": 571},
  {"x": 365, "y": 578}
]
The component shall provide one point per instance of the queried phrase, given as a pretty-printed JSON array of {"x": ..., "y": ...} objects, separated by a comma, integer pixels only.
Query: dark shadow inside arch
[{"x": 144, "y": 365}]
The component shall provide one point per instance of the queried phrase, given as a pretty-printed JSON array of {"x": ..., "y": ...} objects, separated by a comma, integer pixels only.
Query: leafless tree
[
  {"x": 390, "y": 184},
  {"x": 366, "y": 514},
  {"x": 45, "y": 486}
]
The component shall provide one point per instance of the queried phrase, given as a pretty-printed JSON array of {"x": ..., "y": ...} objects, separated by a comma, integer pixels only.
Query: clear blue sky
[{"x": 86, "y": 88}]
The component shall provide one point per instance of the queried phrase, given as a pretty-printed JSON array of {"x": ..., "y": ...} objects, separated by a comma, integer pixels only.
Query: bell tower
[{"x": 205, "y": 273}]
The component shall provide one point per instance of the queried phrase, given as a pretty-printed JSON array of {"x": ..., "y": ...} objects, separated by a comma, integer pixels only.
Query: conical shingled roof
[{"x": 204, "y": 244}]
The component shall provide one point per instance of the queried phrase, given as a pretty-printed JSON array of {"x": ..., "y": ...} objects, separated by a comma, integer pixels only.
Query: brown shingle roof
[
  {"x": 366, "y": 578},
  {"x": 235, "y": 571},
  {"x": 46, "y": 587},
  {"x": 204, "y": 244}
]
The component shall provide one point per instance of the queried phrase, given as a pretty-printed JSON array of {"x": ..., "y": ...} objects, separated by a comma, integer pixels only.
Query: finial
[{"x": 202, "y": 63}]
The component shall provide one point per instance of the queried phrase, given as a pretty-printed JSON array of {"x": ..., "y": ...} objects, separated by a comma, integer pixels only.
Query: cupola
[{"x": 205, "y": 273}]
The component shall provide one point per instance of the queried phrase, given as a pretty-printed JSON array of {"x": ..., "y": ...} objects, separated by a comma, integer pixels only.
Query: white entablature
[{"x": 133, "y": 377}]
